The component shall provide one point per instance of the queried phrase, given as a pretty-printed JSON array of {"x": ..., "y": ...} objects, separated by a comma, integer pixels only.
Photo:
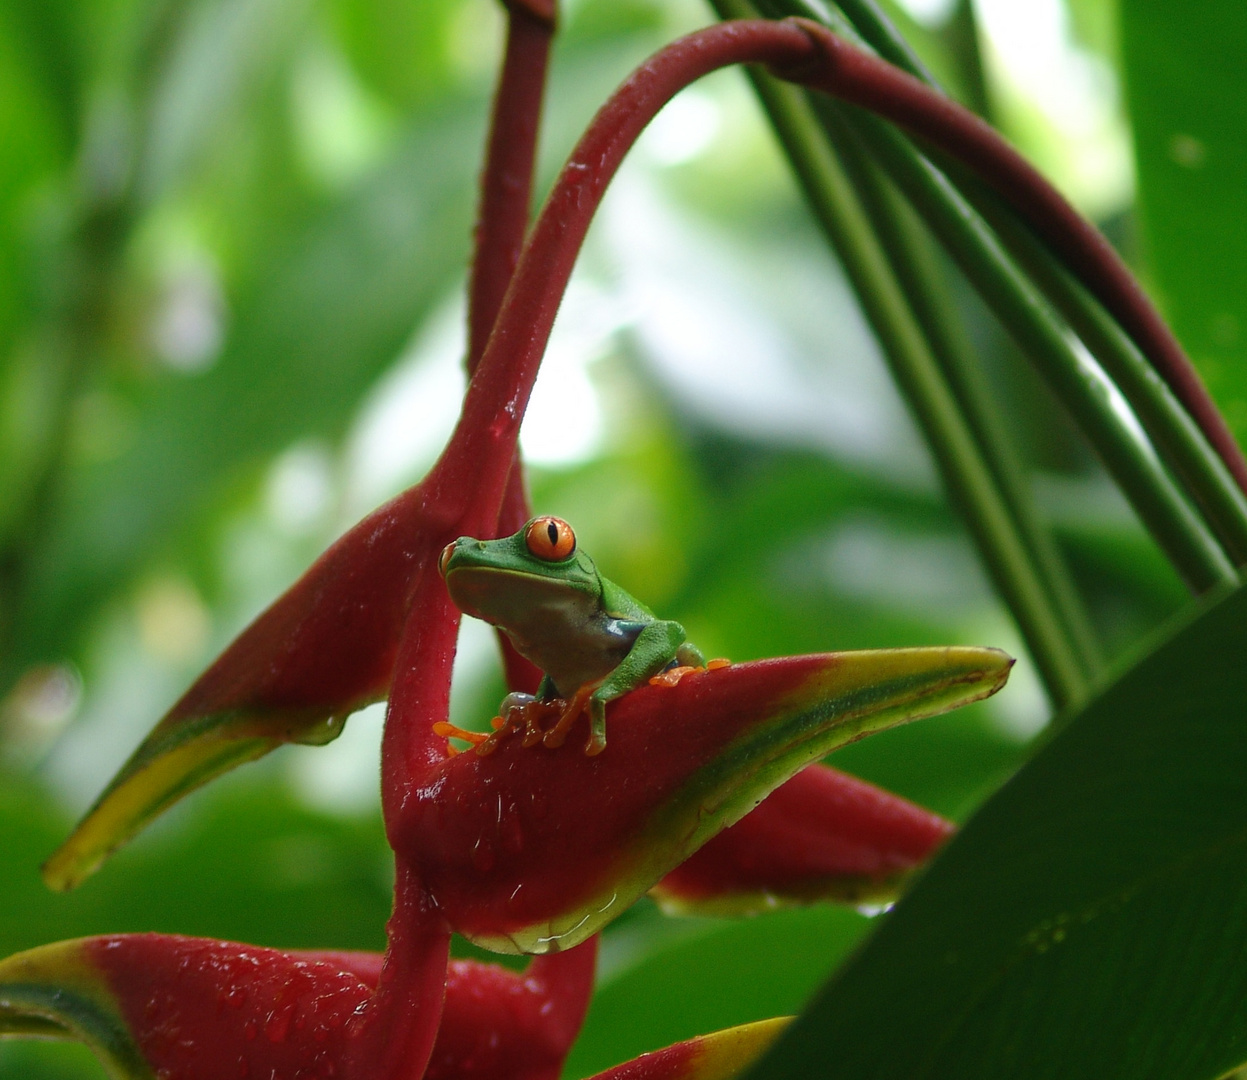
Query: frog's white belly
[{"x": 573, "y": 647}]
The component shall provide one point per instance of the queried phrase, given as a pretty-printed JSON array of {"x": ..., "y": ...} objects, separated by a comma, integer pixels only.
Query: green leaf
[
  {"x": 402, "y": 50},
  {"x": 332, "y": 312},
  {"x": 245, "y": 862},
  {"x": 1183, "y": 67},
  {"x": 1090, "y": 921}
]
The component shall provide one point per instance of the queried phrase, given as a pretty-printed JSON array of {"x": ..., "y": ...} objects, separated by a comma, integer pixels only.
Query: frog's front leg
[{"x": 656, "y": 645}]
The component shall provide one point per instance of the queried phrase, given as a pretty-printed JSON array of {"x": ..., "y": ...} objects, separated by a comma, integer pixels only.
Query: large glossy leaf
[
  {"x": 1184, "y": 81},
  {"x": 1091, "y": 920}
]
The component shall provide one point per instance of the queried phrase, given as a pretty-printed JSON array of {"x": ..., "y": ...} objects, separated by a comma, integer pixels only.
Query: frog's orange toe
[
  {"x": 672, "y": 676},
  {"x": 453, "y": 731}
]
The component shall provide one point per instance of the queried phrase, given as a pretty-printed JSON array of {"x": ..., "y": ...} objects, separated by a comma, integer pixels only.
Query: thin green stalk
[
  {"x": 966, "y": 475},
  {"x": 1075, "y": 378},
  {"x": 914, "y": 263},
  {"x": 865, "y": 18},
  {"x": 1167, "y": 422},
  {"x": 1177, "y": 437}
]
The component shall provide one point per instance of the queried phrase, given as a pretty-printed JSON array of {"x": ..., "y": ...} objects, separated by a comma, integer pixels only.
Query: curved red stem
[
  {"x": 504, "y": 378},
  {"x": 404, "y": 1013},
  {"x": 506, "y": 196},
  {"x": 826, "y": 63},
  {"x": 862, "y": 79},
  {"x": 506, "y": 180}
]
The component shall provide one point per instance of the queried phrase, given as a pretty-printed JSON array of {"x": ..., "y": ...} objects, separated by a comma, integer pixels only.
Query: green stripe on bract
[
  {"x": 55, "y": 991},
  {"x": 861, "y": 693},
  {"x": 175, "y": 759}
]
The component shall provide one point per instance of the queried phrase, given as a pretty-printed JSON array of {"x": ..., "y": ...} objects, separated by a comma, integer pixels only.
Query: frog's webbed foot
[
  {"x": 532, "y": 714},
  {"x": 572, "y": 709},
  {"x": 673, "y": 675},
  {"x": 518, "y": 711}
]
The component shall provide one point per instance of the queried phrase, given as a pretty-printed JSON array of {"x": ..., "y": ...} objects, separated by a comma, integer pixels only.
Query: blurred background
[{"x": 233, "y": 245}]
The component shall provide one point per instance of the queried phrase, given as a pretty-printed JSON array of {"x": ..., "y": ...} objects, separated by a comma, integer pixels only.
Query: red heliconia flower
[
  {"x": 172, "y": 1008},
  {"x": 527, "y": 849},
  {"x": 523, "y": 850},
  {"x": 195, "y": 1009}
]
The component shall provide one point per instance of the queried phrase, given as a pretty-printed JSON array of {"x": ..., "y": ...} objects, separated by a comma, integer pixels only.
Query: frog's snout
[{"x": 464, "y": 542}]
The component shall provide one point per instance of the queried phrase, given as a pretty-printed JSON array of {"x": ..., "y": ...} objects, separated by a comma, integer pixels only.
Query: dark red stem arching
[
  {"x": 507, "y": 178},
  {"x": 500, "y": 389},
  {"x": 862, "y": 79},
  {"x": 825, "y": 63},
  {"x": 502, "y": 222}
]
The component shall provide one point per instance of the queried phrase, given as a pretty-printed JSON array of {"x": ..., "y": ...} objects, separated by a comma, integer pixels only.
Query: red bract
[
  {"x": 530, "y": 850},
  {"x": 197, "y": 1009},
  {"x": 824, "y": 835},
  {"x": 194, "y": 1009}
]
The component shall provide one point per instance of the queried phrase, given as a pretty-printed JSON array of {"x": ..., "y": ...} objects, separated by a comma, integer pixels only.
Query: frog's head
[{"x": 501, "y": 581}]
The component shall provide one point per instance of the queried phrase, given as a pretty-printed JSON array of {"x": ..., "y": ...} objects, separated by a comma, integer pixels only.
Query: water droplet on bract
[{"x": 319, "y": 732}]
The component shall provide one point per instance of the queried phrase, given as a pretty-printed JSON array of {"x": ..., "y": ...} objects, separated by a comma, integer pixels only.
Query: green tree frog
[{"x": 592, "y": 641}]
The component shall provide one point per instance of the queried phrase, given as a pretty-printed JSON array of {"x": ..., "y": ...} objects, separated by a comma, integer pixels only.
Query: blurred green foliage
[
  {"x": 232, "y": 238},
  {"x": 1185, "y": 95}
]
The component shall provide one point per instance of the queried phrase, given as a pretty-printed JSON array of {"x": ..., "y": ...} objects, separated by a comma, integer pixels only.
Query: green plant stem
[
  {"x": 969, "y": 480},
  {"x": 1169, "y": 425},
  {"x": 916, "y": 268},
  {"x": 1175, "y": 434},
  {"x": 961, "y": 37},
  {"x": 1072, "y": 374}
]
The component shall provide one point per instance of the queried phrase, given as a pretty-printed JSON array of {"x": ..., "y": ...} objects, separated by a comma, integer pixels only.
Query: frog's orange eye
[{"x": 550, "y": 538}]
